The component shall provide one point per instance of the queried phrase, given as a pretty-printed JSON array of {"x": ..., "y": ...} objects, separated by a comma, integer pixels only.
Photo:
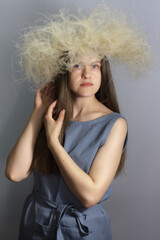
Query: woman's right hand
[{"x": 44, "y": 97}]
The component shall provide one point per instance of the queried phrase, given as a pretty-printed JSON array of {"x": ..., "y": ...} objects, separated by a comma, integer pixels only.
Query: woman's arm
[
  {"x": 89, "y": 188},
  {"x": 20, "y": 158}
]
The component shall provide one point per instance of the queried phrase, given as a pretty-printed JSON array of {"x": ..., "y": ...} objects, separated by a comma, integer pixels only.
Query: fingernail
[{"x": 63, "y": 111}]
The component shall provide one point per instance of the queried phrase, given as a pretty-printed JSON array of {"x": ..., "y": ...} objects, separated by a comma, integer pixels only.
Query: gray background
[{"x": 133, "y": 206}]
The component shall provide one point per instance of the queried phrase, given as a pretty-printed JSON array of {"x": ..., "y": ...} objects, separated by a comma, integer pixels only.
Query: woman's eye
[
  {"x": 77, "y": 66},
  {"x": 95, "y": 66}
]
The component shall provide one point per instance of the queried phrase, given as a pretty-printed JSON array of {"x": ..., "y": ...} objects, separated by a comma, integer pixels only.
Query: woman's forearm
[
  {"x": 79, "y": 182},
  {"x": 20, "y": 158}
]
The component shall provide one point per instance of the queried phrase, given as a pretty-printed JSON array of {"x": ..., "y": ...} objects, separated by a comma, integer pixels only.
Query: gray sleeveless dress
[{"x": 52, "y": 211}]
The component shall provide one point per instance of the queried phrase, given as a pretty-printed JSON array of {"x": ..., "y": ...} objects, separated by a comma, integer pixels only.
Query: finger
[
  {"x": 61, "y": 117},
  {"x": 51, "y": 107}
]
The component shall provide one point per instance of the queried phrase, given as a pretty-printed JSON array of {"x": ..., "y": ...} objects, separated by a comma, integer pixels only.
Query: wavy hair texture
[{"x": 103, "y": 33}]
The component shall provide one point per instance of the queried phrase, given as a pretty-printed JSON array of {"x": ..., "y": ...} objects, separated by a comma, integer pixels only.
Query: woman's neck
[{"x": 88, "y": 107}]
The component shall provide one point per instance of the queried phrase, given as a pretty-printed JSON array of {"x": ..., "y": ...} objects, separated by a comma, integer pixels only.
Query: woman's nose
[{"x": 86, "y": 72}]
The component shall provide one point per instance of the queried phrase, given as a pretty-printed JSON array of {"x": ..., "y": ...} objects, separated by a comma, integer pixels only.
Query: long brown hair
[{"x": 43, "y": 160}]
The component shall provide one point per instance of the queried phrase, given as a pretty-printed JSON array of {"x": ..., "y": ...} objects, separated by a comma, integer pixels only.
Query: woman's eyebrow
[
  {"x": 90, "y": 63},
  {"x": 95, "y": 62}
]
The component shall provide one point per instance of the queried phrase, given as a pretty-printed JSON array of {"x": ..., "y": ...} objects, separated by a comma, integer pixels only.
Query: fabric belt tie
[
  {"x": 78, "y": 212},
  {"x": 63, "y": 208}
]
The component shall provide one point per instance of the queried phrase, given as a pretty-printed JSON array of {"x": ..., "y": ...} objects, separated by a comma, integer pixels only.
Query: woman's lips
[{"x": 86, "y": 84}]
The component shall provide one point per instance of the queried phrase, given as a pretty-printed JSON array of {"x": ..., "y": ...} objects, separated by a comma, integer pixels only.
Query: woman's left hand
[{"x": 53, "y": 127}]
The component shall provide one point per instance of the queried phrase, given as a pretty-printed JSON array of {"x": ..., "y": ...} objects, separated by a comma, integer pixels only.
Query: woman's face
[{"x": 85, "y": 77}]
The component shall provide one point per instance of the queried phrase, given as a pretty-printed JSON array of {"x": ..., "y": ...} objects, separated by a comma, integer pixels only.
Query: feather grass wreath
[{"x": 51, "y": 48}]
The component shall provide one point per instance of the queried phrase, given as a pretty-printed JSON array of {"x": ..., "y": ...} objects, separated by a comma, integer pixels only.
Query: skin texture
[
  {"x": 107, "y": 159},
  {"x": 82, "y": 73},
  {"x": 20, "y": 158}
]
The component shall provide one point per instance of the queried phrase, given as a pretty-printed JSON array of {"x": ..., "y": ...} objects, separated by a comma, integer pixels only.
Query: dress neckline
[{"x": 93, "y": 120}]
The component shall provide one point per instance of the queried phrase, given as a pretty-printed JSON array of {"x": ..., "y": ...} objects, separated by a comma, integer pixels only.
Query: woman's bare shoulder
[{"x": 104, "y": 110}]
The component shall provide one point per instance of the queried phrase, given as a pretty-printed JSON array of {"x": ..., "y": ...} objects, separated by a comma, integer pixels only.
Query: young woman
[{"x": 75, "y": 140}]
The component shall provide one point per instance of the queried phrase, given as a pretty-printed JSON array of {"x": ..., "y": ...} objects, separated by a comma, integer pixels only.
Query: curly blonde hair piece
[{"x": 51, "y": 48}]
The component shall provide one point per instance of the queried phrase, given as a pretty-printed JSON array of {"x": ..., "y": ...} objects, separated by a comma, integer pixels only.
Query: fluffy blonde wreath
[{"x": 50, "y": 48}]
